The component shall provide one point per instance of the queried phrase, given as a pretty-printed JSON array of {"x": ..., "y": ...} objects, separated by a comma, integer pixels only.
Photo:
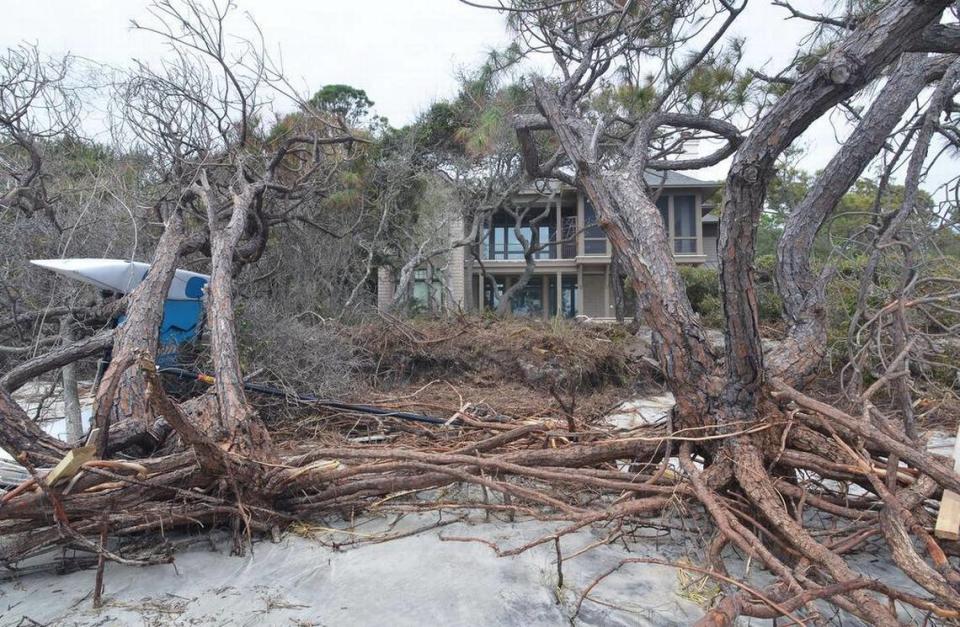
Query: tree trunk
[
  {"x": 121, "y": 394},
  {"x": 58, "y": 358},
  {"x": 236, "y": 423},
  {"x": 842, "y": 72},
  {"x": 802, "y": 292},
  {"x": 616, "y": 288},
  {"x": 506, "y": 299},
  {"x": 20, "y": 435},
  {"x": 634, "y": 227},
  {"x": 71, "y": 394}
]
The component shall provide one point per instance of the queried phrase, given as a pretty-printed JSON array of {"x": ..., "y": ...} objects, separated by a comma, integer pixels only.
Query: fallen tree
[
  {"x": 609, "y": 155},
  {"x": 765, "y": 460}
]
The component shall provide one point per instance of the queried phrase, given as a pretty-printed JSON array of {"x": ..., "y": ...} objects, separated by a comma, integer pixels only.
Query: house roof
[
  {"x": 672, "y": 178},
  {"x": 665, "y": 178}
]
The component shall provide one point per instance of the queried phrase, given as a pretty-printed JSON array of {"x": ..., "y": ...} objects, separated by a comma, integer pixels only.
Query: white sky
[{"x": 405, "y": 54}]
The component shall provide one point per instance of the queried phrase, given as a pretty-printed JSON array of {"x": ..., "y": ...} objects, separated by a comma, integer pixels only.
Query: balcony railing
[{"x": 500, "y": 242}]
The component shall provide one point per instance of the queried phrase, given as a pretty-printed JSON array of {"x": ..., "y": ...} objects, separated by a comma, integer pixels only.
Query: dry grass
[{"x": 515, "y": 367}]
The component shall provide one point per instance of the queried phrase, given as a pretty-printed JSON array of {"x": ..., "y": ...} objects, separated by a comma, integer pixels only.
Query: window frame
[
  {"x": 697, "y": 238},
  {"x": 507, "y": 247},
  {"x": 584, "y": 238}
]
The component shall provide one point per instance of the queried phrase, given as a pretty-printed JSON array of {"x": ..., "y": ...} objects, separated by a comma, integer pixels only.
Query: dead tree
[
  {"x": 71, "y": 393},
  {"x": 224, "y": 185},
  {"x": 531, "y": 217},
  {"x": 35, "y": 106}
]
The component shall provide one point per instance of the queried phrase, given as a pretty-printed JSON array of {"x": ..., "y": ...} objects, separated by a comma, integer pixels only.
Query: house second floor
[
  {"x": 572, "y": 273},
  {"x": 559, "y": 226}
]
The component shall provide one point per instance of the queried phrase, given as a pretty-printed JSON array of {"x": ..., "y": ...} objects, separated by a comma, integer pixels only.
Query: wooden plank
[
  {"x": 948, "y": 520},
  {"x": 70, "y": 464}
]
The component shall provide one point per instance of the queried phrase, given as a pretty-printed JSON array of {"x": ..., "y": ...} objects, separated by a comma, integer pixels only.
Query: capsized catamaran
[
  {"x": 182, "y": 324},
  {"x": 182, "y": 310}
]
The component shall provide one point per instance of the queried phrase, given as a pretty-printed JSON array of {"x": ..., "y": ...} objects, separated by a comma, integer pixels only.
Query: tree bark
[
  {"x": 58, "y": 358},
  {"x": 19, "y": 434},
  {"x": 506, "y": 299},
  {"x": 802, "y": 292},
  {"x": 138, "y": 335},
  {"x": 842, "y": 72},
  {"x": 236, "y": 423},
  {"x": 616, "y": 288},
  {"x": 71, "y": 394}
]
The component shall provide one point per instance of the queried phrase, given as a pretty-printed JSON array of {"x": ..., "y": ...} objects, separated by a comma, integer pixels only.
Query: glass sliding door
[
  {"x": 568, "y": 296},
  {"x": 529, "y": 300},
  {"x": 491, "y": 297}
]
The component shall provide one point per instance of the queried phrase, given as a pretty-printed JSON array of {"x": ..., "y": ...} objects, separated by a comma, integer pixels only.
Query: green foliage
[
  {"x": 703, "y": 290},
  {"x": 477, "y": 123},
  {"x": 480, "y": 137},
  {"x": 769, "y": 305},
  {"x": 346, "y": 102},
  {"x": 718, "y": 81},
  {"x": 626, "y": 98},
  {"x": 701, "y": 282},
  {"x": 438, "y": 127}
]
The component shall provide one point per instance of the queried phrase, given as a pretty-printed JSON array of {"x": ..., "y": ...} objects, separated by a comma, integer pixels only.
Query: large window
[
  {"x": 500, "y": 241},
  {"x": 594, "y": 239},
  {"x": 684, "y": 225},
  {"x": 423, "y": 293},
  {"x": 679, "y": 214},
  {"x": 527, "y": 302},
  {"x": 568, "y": 296}
]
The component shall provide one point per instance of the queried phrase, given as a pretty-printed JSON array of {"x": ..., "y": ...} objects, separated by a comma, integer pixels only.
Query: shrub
[
  {"x": 302, "y": 353},
  {"x": 701, "y": 283},
  {"x": 711, "y": 311}
]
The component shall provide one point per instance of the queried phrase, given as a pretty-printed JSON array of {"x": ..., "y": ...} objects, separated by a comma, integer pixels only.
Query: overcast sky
[{"x": 405, "y": 54}]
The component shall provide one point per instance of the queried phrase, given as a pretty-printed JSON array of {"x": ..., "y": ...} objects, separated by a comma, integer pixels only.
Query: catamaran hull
[
  {"x": 182, "y": 311},
  {"x": 118, "y": 275}
]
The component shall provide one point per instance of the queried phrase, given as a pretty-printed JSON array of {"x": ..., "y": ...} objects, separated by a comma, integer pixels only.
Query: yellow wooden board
[
  {"x": 948, "y": 520},
  {"x": 70, "y": 464}
]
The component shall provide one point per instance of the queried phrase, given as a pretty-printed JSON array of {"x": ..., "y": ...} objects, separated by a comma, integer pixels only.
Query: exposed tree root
[{"x": 778, "y": 520}]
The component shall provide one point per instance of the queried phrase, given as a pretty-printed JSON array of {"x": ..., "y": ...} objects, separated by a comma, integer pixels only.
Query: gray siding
[{"x": 710, "y": 232}]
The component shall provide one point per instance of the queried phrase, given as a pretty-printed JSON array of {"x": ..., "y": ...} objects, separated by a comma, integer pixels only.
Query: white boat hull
[{"x": 118, "y": 275}]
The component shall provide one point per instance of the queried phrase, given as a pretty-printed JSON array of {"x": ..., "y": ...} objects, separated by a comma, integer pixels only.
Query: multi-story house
[{"x": 572, "y": 275}]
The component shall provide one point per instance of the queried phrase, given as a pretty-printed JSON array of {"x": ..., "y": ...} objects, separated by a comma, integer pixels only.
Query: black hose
[{"x": 312, "y": 398}]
